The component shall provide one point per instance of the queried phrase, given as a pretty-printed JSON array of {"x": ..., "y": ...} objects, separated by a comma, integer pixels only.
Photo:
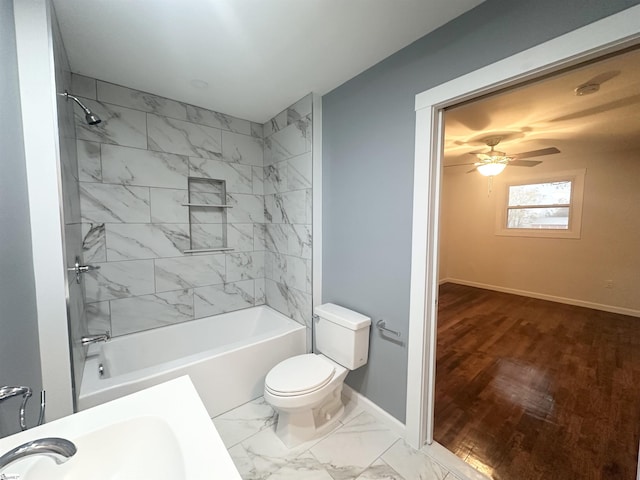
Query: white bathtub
[{"x": 227, "y": 357}]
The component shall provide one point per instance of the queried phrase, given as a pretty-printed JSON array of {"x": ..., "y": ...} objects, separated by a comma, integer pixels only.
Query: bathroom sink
[
  {"x": 114, "y": 452},
  {"x": 161, "y": 433}
]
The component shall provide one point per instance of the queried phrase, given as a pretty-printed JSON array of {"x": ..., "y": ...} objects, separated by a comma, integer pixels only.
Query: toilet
[{"x": 306, "y": 390}]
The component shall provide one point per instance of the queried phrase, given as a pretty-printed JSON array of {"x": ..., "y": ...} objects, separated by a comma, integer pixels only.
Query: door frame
[{"x": 604, "y": 36}]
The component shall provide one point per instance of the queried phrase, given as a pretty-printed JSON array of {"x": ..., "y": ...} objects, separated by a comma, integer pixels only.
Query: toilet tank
[{"x": 342, "y": 335}]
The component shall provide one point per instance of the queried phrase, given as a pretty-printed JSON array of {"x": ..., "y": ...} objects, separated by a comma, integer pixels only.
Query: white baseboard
[
  {"x": 543, "y": 296},
  {"x": 368, "y": 406}
]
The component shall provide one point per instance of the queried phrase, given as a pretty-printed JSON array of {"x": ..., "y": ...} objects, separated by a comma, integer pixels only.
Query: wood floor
[{"x": 529, "y": 389}]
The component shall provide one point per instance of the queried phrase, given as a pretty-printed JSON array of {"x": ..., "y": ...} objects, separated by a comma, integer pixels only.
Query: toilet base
[{"x": 298, "y": 426}]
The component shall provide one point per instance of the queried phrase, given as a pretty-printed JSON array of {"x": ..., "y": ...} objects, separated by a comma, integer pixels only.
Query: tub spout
[
  {"x": 89, "y": 339},
  {"x": 59, "y": 449}
]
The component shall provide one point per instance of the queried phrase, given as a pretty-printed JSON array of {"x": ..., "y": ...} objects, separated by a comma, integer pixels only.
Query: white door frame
[{"x": 604, "y": 36}]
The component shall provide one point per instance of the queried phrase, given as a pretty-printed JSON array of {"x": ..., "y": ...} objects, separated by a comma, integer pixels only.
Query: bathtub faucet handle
[{"x": 89, "y": 339}]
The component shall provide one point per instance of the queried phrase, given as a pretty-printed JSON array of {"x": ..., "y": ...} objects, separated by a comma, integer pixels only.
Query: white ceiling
[
  {"x": 547, "y": 113},
  {"x": 257, "y": 56}
]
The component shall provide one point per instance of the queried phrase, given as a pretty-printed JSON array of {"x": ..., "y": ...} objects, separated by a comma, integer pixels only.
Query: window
[{"x": 549, "y": 206}]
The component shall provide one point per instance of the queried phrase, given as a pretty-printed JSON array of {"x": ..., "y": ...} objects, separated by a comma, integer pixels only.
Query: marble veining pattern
[
  {"x": 190, "y": 271},
  {"x": 94, "y": 244},
  {"x": 133, "y": 171},
  {"x": 102, "y": 203},
  {"x": 132, "y": 166},
  {"x": 238, "y": 177},
  {"x": 147, "y": 102},
  {"x": 240, "y": 237},
  {"x": 119, "y": 126},
  {"x": 245, "y": 266},
  {"x": 119, "y": 280},
  {"x": 246, "y": 208},
  {"x": 136, "y": 241},
  {"x": 167, "y": 205},
  {"x": 89, "y": 162},
  {"x": 150, "y": 311},
  {"x": 223, "y": 298},
  {"x": 359, "y": 448},
  {"x": 218, "y": 120},
  {"x": 243, "y": 149},
  {"x": 289, "y": 142},
  {"x": 183, "y": 138}
]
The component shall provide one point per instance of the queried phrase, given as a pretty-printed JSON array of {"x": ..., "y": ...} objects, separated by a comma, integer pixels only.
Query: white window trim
[{"x": 575, "y": 208}]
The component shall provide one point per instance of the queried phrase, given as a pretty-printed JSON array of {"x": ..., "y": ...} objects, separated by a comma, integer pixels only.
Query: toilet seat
[{"x": 299, "y": 375}]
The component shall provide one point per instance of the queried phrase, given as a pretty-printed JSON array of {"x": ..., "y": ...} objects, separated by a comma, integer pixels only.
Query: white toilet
[{"x": 306, "y": 390}]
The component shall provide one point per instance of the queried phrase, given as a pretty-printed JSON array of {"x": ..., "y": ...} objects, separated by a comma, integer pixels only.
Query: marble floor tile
[
  {"x": 244, "y": 421},
  {"x": 305, "y": 466},
  {"x": 264, "y": 454},
  {"x": 412, "y": 464},
  {"x": 351, "y": 449},
  {"x": 379, "y": 470},
  {"x": 359, "y": 448}
]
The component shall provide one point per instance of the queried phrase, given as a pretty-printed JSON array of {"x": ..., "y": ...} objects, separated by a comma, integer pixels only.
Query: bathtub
[{"x": 227, "y": 357}]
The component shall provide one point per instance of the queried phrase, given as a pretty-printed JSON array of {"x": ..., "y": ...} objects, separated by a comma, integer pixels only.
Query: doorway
[{"x": 603, "y": 37}]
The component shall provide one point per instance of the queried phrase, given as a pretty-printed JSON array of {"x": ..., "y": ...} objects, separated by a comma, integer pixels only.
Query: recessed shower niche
[{"x": 207, "y": 204}]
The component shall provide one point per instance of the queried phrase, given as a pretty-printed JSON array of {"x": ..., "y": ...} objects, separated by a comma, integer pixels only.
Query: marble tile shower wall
[
  {"x": 133, "y": 172},
  {"x": 287, "y": 197}
]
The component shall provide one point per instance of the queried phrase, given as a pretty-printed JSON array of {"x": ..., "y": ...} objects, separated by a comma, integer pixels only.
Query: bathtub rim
[{"x": 92, "y": 384}]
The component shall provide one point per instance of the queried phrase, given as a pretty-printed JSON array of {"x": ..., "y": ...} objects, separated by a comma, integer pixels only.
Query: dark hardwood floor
[{"x": 529, "y": 389}]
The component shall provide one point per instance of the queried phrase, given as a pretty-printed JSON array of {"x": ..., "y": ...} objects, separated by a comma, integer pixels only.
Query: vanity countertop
[{"x": 162, "y": 432}]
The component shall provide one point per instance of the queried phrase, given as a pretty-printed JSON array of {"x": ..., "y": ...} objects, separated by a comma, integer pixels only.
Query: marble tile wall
[
  {"x": 287, "y": 200},
  {"x": 133, "y": 171}
]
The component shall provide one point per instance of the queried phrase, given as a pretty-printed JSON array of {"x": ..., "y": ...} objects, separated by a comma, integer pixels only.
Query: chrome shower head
[{"x": 90, "y": 117}]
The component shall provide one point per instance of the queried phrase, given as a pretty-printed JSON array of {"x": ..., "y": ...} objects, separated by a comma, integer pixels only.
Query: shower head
[{"x": 90, "y": 117}]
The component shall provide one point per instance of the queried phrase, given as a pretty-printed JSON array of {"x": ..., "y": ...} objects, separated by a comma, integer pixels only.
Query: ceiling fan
[{"x": 493, "y": 162}]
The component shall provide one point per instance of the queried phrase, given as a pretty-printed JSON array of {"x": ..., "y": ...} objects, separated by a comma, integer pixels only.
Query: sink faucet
[
  {"x": 89, "y": 339},
  {"x": 59, "y": 449}
]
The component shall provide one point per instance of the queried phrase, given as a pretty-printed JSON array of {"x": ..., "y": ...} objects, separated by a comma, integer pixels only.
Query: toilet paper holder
[{"x": 382, "y": 326}]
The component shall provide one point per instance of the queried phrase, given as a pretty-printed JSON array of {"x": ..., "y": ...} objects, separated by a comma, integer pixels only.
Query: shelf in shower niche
[
  {"x": 206, "y": 205},
  {"x": 215, "y": 249}
]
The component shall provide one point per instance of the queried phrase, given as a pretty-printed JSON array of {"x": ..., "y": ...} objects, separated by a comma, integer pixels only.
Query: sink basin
[
  {"x": 115, "y": 451},
  {"x": 161, "y": 433}
]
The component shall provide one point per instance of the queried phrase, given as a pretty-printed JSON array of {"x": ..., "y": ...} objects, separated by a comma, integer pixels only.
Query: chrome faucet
[
  {"x": 59, "y": 449},
  {"x": 89, "y": 339},
  {"x": 9, "y": 391}
]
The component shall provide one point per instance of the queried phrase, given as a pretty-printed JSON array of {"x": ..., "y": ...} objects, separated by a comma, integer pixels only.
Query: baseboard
[
  {"x": 368, "y": 406},
  {"x": 542, "y": 296},
  {"x": 451, "y": 462}
]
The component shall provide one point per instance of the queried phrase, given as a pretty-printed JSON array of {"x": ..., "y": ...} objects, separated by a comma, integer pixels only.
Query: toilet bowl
[{"x": 306, "y": 392}]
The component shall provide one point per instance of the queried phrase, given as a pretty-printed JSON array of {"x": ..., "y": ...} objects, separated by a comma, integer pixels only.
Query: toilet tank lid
[{"x": 342, "y": 316}]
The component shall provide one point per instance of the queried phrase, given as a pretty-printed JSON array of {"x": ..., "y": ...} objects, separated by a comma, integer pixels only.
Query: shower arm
[
  {"x": 67, "y": 95},
  {"x": 90, "y": 117}
]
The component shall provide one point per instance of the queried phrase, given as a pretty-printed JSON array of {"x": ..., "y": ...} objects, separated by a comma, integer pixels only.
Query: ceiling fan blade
[
  {"x": 459, "y": 165},
  {"x": 536, "y": 153},
  {"x": 472, "y": 170},
  {"x": 525, "y": 163}
]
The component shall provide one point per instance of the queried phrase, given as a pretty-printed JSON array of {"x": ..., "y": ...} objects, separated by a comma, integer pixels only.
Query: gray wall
[
  {"x": 368, "y": 150},
  {"x": 19, "y": 349}
]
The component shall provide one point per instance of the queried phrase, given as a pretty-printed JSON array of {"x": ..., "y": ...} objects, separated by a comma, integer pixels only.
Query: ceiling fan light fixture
[{"x": 491, "y": 169}]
